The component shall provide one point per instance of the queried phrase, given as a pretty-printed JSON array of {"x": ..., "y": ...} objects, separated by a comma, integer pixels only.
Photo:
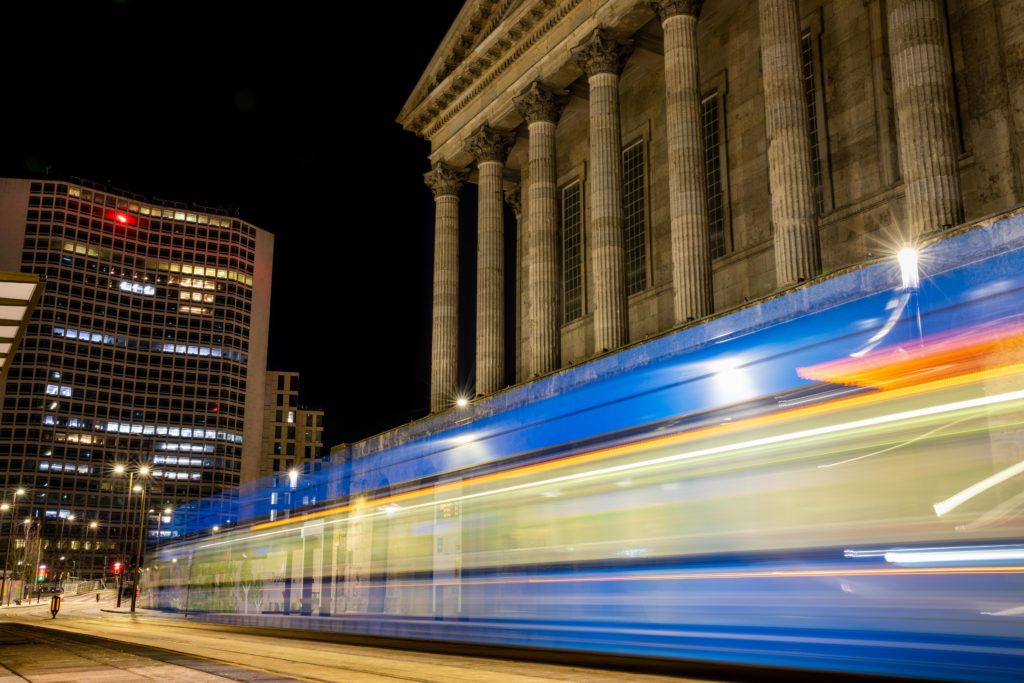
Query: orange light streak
[
  {"x": 781, "y": 417},
  {"x": 782, "y": 574}
]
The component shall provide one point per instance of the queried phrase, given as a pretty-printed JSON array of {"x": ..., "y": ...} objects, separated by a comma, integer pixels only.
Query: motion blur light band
[{"x": 830, "y": 479}]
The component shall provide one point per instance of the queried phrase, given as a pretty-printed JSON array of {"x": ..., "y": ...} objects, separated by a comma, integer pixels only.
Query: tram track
[{"x": 248, "y": 655}]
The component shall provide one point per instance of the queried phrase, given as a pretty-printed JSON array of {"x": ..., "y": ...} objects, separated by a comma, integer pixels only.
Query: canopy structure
[{"x": 19, "y": 293}]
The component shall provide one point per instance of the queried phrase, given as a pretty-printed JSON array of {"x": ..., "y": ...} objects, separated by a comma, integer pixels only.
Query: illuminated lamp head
[{"x": 908, "y": 260}]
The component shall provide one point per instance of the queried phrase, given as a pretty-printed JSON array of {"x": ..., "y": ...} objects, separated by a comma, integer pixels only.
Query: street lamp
[
  {"x": 3, "y": 585},
  {"x": 910, "y": 274},
  {"x": 10, "y": 537},
  {"x": 91, "y": 526},
  {"x": 23, "y": 562},
  {"x": 138, "y": 548},
  {"x": 142, "y": 471},
  {"x": 60, "y": 539}
]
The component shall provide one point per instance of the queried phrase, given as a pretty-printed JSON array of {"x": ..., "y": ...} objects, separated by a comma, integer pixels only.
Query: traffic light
[
  {"x": 117, "y": 567},
  {"x": 41, "y": 574}
]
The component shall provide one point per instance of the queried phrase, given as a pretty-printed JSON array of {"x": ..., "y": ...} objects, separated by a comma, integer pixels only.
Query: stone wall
[
  {"x": 863, "y": 193},
  {"x": 863, "y": 214}
]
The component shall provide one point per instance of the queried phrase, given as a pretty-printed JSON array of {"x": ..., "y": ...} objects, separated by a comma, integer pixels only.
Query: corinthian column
[
  {"x": 794, "y": 215},
  {"x": 490, "y": 148},
  {"x": 445, "y": 182},
  {"x": 601, "y": 58},
  {"x": 541, "y": 107},
  {"x": 922, "y": 81},
  {"x": 514, "y": 199},
  {"x": 688, "y": 210}
]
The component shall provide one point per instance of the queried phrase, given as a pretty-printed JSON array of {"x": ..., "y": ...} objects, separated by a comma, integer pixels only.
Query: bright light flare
[{"x": 909, "y": 272}]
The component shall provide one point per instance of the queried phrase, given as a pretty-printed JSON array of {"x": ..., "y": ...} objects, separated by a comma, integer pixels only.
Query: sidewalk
[{"x": 44, "y": 600}]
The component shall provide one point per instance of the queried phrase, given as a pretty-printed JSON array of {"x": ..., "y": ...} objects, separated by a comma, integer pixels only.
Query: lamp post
[
  {"x": 60, "y": 540},
  {"x": 93, "y": 525},
  {"x": 39, "y": 559},
  {"x": 23, "y": 562},
  {"x": 3, "y": 585},
  {"x": 10, "y": 537},
  {"x": 910, "y": 274},
  {"x": 138, "y": 548},
  {"x": 142, "y": 471},
  {"x": 11, "y": 590}
]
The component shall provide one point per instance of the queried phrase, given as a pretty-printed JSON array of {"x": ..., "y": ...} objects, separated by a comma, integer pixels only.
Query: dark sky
[{"x": 283, "y": 110}]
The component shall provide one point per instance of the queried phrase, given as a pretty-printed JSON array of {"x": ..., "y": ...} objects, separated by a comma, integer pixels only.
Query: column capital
[
  {"x": 541, "y": 103},
  {"x": 514, "y": 198},
  {"x": 673, "y": 8},
  {"x": 488, "y": 144},
  {"x": 601, "y": 54},
  {"x": 444, "y": 179}
]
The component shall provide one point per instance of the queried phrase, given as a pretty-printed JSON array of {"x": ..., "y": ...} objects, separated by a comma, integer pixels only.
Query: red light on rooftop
[{"x": 121, "y": 218}]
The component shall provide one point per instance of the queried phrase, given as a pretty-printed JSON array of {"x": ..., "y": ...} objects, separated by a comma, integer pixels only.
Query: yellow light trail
[
  {"x": 688, "y": 576},
  {"x": 788, "y": 437},
  {"x": 781, "y": 417}
]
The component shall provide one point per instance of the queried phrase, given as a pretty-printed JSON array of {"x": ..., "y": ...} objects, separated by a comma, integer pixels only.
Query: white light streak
[
  {"x": 958, "y": 499},
  {"x": 942, "y": 555},
  {"x": 894, "y": 317},
  {"x": 680, "y": 457}
]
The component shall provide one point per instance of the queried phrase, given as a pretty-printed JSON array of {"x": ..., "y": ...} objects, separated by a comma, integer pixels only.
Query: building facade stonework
[{"x": 678, "y": 159}]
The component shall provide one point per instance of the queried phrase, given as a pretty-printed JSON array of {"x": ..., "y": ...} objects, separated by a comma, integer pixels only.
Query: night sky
[{"x": 264, "y": 111}]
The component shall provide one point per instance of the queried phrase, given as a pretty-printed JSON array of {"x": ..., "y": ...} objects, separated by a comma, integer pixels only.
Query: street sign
[{"x": 54, "y": 604}]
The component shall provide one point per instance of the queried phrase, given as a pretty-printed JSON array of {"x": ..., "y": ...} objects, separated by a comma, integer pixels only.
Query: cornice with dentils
[{"x": 432, "y": 106}]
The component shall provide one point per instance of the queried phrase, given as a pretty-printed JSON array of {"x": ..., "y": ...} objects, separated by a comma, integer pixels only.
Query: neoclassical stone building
[{"x": 669, "y": 160}]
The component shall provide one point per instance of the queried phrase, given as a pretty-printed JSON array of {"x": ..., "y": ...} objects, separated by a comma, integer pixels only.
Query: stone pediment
[{"x": 486, "y": 38}]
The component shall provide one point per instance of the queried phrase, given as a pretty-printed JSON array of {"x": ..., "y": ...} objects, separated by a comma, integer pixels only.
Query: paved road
[
  {"x": 31, "y": 653},
  {"x": 85, "y": 644}
]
